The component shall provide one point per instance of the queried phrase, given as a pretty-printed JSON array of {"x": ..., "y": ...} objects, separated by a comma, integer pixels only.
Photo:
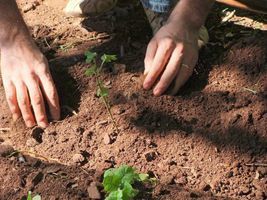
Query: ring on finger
[{"x": 186, "y": 66}]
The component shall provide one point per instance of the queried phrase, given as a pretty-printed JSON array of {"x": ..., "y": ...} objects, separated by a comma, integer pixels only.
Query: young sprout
[
  {"x": 118, "y": 182},
  {"x": 36, "y": 197},
  {"x": 95, "y": 70}
]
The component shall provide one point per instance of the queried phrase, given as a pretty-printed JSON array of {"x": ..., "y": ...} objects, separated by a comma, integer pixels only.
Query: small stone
[
  {"x": 21, "y": 159},
  {"x": 257, "y": 175},
  {"x": 244, "y": 190},
  {"x": 107, "y": 139},
  {"x": 78, "y": 158},
  {"x": 6, "y": 150},
  {"x": 93, "y": 191},
  {"x": 229, "y": 174},
  {"x": 182, "y": 180},
  {"x": 236, "y": 164},
  {"x": 101, "y": 123}
]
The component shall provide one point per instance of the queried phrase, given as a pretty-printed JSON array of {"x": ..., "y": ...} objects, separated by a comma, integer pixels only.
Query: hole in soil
[{"x": 37, "y": 134}]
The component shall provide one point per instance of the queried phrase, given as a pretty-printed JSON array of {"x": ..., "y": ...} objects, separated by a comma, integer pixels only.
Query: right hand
[{"x": 28, "y": 84}]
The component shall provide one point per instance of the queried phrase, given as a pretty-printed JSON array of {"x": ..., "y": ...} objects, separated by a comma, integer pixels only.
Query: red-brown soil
[{"x": 203, "y": 143}]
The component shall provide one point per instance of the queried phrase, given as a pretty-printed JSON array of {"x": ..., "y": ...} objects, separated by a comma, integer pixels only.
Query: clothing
[{"x": 160, "y": 6}]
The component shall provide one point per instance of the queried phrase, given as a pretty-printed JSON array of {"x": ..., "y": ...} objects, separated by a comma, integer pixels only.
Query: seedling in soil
[
  {"x": 118, "y": 182},
  {"x": 36, "y": 197},
  {"x": 95, "y": 70}
]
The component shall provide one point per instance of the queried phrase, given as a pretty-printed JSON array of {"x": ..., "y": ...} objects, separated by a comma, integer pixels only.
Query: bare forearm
[
  {"x": 194, "y": 12},
  {"x": 12, "y": 26}
]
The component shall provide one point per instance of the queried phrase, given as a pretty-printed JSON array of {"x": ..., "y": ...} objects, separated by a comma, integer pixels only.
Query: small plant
[
  {"x": 118, "y": 182},
  {"x": 95, "y": 70},
  {"x": 36, "y": 197}
]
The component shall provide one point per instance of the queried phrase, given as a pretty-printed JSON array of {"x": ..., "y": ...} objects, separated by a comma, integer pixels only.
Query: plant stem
[{"x": 106, "y": 103}]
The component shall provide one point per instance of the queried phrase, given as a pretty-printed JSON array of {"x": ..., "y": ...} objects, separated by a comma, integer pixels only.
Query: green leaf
[
  {"x": 108, "y": 58},
  {"x": 91, "y": 71},
  {"x": 102, "y": 91},
  {"x": 143, "y": 177},
  {"x": 90, "y": 56},
  {"x": 37, "y": 197},
  {"x": 29, "y": 197},
  {"x": 128, "y": 191},
  {"x": 115, "y": 195}
]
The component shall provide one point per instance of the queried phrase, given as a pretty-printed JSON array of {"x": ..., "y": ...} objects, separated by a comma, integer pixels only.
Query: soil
[{"x": 207, "y": 142}]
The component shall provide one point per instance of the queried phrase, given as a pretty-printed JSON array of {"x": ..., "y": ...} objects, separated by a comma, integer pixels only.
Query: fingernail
[
  {"x": 146, "y": 84},
  {"x": 156, "y": 92},
  {"x": 30, "y": 124},
  {"x": 43, "y": 124}
]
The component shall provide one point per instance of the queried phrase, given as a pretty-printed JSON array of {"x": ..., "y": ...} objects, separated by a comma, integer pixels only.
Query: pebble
[
  {"x": 78, "y": 158},
  {"x": 6, "y": 150},
  {"x": 107, "y": 139},
  {"x": 93, "y": 191},
  {"x": 181, "y": 180},
  {"x": 244, "y": 190}
]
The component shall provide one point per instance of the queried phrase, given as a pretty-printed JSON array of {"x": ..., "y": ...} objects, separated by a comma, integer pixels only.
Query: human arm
[
  {"x": 173, "y": 51},
  {"x": 24, "y": 69}
]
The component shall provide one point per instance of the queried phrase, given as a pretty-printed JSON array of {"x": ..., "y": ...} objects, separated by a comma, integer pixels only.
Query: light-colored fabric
[
  {"x": 157, "y": 20},
  {"x": 80, "y": 8}
]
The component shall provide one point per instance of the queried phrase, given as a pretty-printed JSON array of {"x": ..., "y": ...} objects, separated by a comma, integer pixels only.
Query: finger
[
  {"x": 170, "y": 72},
  {"x": 162, "y": 56},
  {"x": 51, "y": 95},
  {"x": 37, "y": 102},
  {"x": 185, "y": 71},
  {"x": 12, "y": 99},
  {"x": 150, "y": 54},
  {"x": 24, "y": 104}
]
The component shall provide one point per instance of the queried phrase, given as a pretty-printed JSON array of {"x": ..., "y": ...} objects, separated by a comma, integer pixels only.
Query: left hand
[{"x": 171, "y": 57}]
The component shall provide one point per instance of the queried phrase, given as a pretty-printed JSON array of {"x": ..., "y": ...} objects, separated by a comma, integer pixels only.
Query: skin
[
  {"x": 173, "y": 52},
  {"x": 25, "y": 73},
  {"x": 27, "y": 80}
]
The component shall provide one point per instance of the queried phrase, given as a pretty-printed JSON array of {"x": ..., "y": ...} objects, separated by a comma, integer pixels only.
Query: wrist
[{"x": 191, "y": 14}]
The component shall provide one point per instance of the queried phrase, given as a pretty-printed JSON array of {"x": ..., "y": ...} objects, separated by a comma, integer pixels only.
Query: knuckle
[
  {"x": 37, "y": 99},
  {"x": 23, "y": 102},
  {"x": 41, "y": 118},
  {"x": 52, "y": 93}
]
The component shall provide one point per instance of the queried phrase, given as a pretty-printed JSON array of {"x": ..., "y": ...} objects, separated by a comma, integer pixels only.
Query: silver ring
[{"x": 186, "y": 66}]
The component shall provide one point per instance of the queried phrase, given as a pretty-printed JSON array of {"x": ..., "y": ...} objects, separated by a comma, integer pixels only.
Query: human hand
[
  {"x": 28, "y": 84},
  {"x": 170, "y": 57}
]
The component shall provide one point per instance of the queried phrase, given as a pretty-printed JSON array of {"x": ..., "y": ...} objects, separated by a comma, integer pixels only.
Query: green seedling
[
  {"x": 95, "y": 70},
  {"x": 118, "y": 182},
  {"x": 36, "y": 197}
]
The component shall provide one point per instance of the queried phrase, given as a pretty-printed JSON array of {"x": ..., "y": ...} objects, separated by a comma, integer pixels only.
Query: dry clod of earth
[
  {"x": 6, "y": 150},
  {"x": 93, "y": 191},
  {"x": 78, "y": 158}
]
